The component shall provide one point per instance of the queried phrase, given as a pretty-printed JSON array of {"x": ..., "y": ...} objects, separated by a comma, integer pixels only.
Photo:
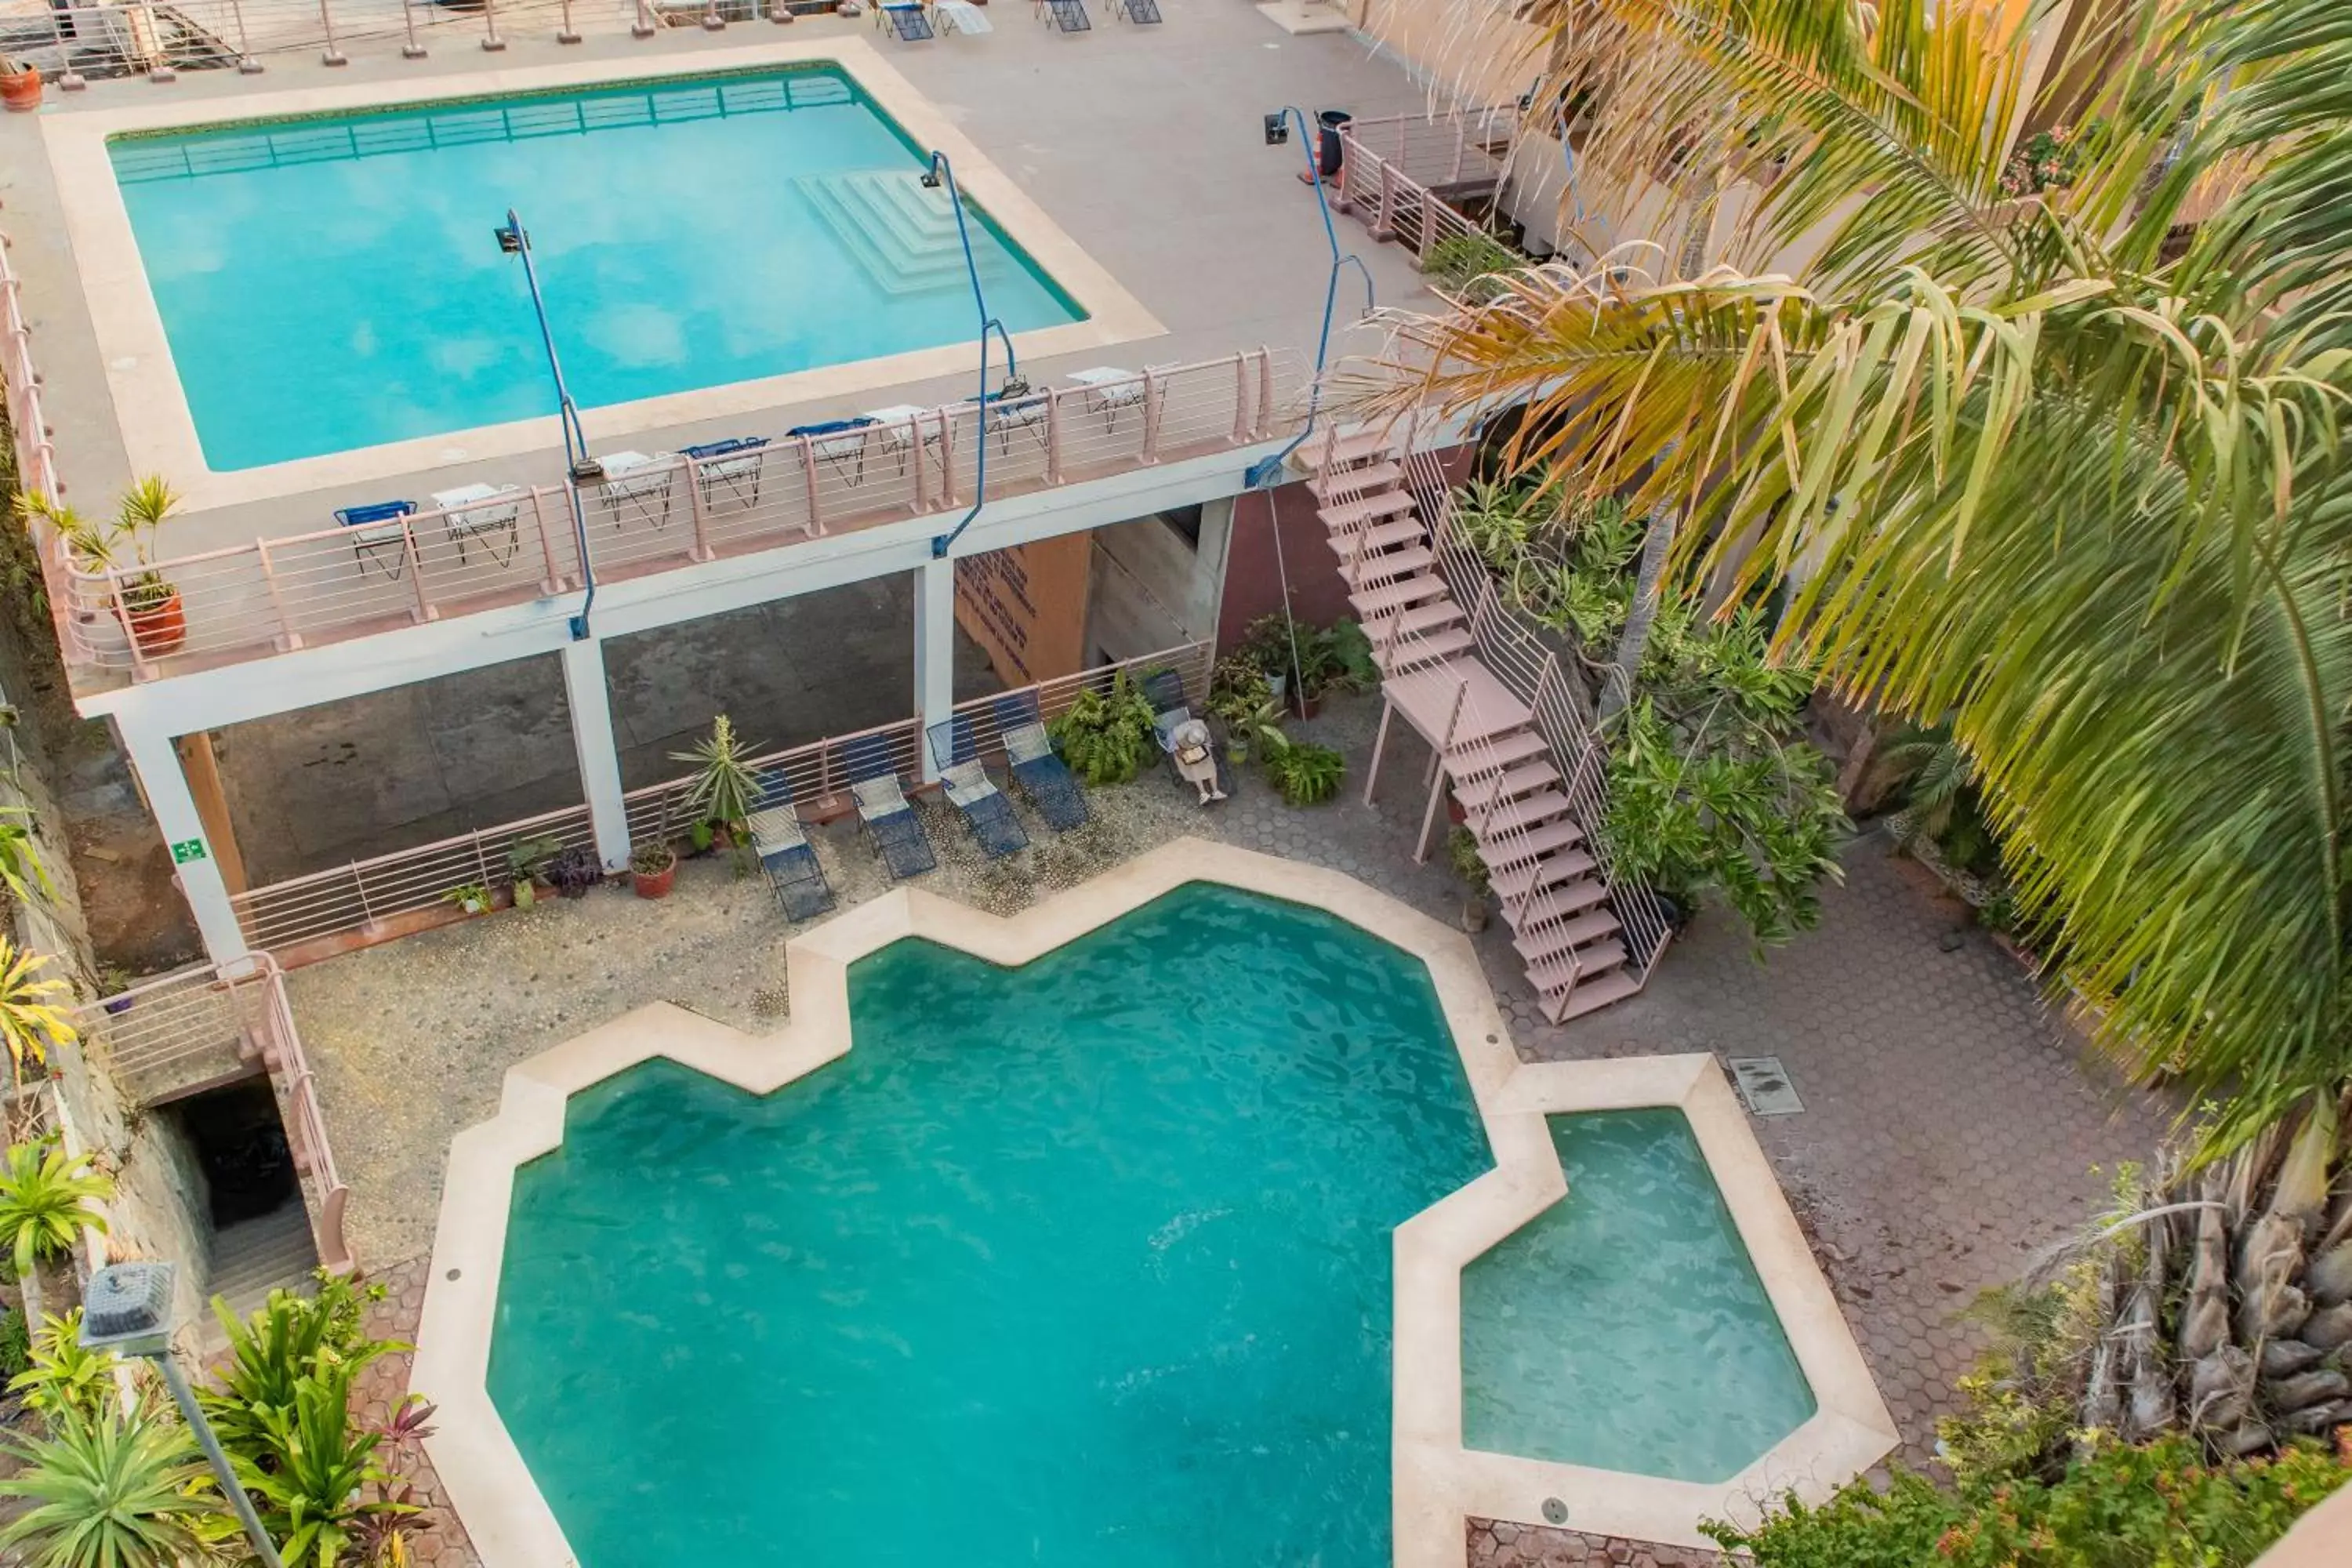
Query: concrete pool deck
[{"x": 1438, "y": 1485}]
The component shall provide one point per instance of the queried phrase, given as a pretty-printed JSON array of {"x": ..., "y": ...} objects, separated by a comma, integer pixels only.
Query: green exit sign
[{"x": 187, "y": 849}]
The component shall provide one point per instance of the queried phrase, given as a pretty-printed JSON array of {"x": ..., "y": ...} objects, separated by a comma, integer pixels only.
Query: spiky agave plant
[
  {"x": 47, "y": 1201},
  {"x": 111, "y": 1490}
]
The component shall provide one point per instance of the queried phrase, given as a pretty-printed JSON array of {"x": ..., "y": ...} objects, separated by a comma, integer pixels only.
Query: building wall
[
  {"x": 1256, "y": 571},
  {"x": 1154, "y": 588},
  {"x": 1475, "y": 48}
]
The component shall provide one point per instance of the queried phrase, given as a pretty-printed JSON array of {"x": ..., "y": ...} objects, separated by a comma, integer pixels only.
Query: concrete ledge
[{"x": 1437, "y": 1483}]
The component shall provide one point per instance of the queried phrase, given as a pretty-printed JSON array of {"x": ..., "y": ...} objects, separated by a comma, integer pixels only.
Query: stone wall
[{"x": 1493, "y": 1543}]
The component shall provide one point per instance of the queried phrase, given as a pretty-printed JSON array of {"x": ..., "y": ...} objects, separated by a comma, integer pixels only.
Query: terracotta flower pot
[
  {"x": 20, "y": 93},
  {"x": 161, "y": 627},
  {"x": 655, "y": 884}
]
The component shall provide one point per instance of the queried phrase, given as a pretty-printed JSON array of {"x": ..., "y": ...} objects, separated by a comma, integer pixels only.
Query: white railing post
[
  {"x": 1265, "y": 392},
  {"x": 698, "y": 510},
  {"x": 643, "y": 28},
  {"x": 334, "y": 55},
  {"x": 917, "y": 447},
  {"x": 1054, "y": 436},
  {"x": 412, "y": 49},
  {"x": 492, "y": 42},
  {"x": 425, "y": 610},
  {"x": 564, "y": 32},
  {"x": 1241, "y": 398},
  {"x": 808, "y": 481},
  {"x": 247, "y": 64},
  {"x": 287, "y": 639},
  {"x": 71, "y": 80},
  {"x": 1155, "y": 398},
  {"x": 552, "y": 579},
  {"x": 1384, "y": 213}
]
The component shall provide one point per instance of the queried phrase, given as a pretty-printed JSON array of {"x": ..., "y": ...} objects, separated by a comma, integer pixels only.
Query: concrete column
[
  {"x": 592, "y": 741},
  {"x": 157, "y": 762},
  {"x": 934, "y": 650}
]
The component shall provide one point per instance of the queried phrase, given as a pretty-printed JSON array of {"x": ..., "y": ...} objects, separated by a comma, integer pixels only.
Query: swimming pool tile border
[
  {"x": 1437, "y": 1483},
  {"x": 150, "y": 404}
]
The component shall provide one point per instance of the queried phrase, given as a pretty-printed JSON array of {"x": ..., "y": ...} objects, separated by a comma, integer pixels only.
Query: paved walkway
[{"x": 1951, "y": 1127}]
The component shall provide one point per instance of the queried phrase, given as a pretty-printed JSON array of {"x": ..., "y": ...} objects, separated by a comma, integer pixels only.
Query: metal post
[
  {"x": 1241, "y": 398},
  {"x": 1379, "y": 745},
  {"x": 699, "y": 510},
  {"x": 1053, "y": 438},
  {"x": 334, "y": 55},
  {"x": 246, "y": 65},
  {"x": 412, "y": 49},
  {"x": 263, "y": 1547},
  {"x": 287, "y": 639},
  {"x": 492, "y": 42},
  {"x": 643, "y": 28},
  {"x": 565, "y": 32},
  {"x": 712, "y": 22},
  {"x": 1154, "y": 396},
  {"x": 552, "y": 580},
  {"x": 808, "y": 481},
  {"x": 61, "y": 28}
]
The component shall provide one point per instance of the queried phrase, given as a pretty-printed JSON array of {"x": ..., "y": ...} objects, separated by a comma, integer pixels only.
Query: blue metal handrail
[
  {"x": 942, "y": 173},
  {"x": 515, "y": 240}
]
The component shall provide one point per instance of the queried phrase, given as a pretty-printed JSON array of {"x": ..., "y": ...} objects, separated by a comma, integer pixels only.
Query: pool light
[
  {"x": 515, "y": 240},
  {"x": 128, "y": 1309}
]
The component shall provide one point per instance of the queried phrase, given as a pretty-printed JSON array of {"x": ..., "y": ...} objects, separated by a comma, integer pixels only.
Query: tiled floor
[{"x": 1951, "y": 1129}]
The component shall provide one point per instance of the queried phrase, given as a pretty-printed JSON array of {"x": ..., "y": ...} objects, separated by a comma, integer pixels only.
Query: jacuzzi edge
[
  {"x": 1436, "y": 1482},
  {"x": 150, "y": 404}
]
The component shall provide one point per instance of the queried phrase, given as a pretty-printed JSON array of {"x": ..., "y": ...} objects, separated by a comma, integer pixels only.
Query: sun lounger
[
  {"x": 1004, "y": 413},
  {"x": 882, "y": 806},
  {"x": 911, "y": 25},
  {"x": 1064, "y": 15},
  {"x": 1043, "y": 776},
  {"x": 786, "y": 857},
  {"x": 1164, "y": 689},
  {"x": 840, "y": 443},
  {"x": 985, "y": 809},
  {"x": 960, "y": 16},
  {"x": 380, "y": 532},
  {"x": 1138, "y": 10},
  {"x": 482, "y": 513},
  {"x": 733, "y": 464}
]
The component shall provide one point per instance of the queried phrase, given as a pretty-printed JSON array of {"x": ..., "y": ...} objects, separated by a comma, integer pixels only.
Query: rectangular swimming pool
[{"x": 332, "y": 283}]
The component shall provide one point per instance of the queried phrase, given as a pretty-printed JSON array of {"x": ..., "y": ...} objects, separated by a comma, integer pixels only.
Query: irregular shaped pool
[
  {"x": 1625, "y": 1328},
  {"x": 1086, "y": 1262}
]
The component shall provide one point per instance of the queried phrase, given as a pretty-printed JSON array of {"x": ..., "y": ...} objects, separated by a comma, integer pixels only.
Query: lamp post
[
  {"x": 515, "y": 240},
  {"x": 128, "y": 1309},
  {"x": 941, "y": 173},
  {"x": 1263, "y": 473}
]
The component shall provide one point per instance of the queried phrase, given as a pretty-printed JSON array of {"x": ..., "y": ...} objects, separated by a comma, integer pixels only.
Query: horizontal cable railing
[
  {"x": 372, "y": 896},
  {"x": 1445, "y": 147},
  {"x": 37, "y": 456},
  {"x": 504, "y": 545}
]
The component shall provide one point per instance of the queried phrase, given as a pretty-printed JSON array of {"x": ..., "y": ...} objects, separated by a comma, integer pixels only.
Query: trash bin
[{"x": 1327, "y": 145}]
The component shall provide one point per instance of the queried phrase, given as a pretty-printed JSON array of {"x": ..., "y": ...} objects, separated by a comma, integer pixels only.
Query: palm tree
[
  {"x": 45, "y": 1206},
  {"x": 2062, "y": 464},
  {"x": 113, "y": 1492}
]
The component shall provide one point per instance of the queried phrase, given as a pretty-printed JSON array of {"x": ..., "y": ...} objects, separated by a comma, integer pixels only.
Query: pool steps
[
  {"x": 901, "y": 234},
  {"x": 1502, "y": 772}
]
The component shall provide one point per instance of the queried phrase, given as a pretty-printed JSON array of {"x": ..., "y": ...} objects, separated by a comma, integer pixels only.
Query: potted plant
[
  {"x": 90, "y": 547},
  {"x": 1304, "y": 772},
  {"x": 20, "y": 86},
  {"x": 1461, "y": 851},
  {"x": 112, "y": 981},
  {"x": 723, "y": 788},
  {"x": 471, "y": 898},
  {"x": 575, "y": 870},
  {"x": 652, "y": 869},
  {"x": 527, "y": 863},
  {"x": 159, "y": 621},
  {"x": 1242, "y": 702}
]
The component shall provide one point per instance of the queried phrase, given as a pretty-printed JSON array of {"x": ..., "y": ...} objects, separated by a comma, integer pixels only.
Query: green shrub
[
  {"x": 1460, "y": 261},
  {"x": 15, "y": 1345},
  {"x": 1106, "y": 735},
  {"x": 2159, "y": 1506},
  {"x": 1306, "y": 774},
  {"x": 60, "y": 1378}
]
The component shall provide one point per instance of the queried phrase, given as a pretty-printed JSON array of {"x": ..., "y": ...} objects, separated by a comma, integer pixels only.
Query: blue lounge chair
[
  {"x": 985, "y": 809},
  {"x": 1043, "y": 776},
  {"x": 1164, "y": 689},
  {"x": 786, "y": 858},
  {"x": 734, "y": 464},
  {"x": 1138, "y": 10},
  {"x": 1014, "y": 409},
  {"x": 375, "y": 537},
  {"x": 1065, "y": 15},
  {"x": 897, "y": 833},
  {"x": 909, "y": 23}
]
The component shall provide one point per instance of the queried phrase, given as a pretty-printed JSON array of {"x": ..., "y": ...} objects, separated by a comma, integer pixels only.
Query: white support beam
[
  {"x": 156, "y": 760},
  {"x": 585, "y": 694},
  {"x": 934, "y": 650}
]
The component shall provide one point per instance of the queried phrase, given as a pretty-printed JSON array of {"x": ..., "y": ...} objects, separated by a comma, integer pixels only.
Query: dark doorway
[{"x": 241, "y": 1144}]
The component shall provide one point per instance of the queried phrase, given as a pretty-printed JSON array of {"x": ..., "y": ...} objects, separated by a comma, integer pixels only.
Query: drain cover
[
  {"x": 1765, "y": 1086},
  {"x": 1554, "y": 1510}
]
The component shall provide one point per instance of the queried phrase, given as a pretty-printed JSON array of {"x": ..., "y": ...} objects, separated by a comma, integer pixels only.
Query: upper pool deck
[{"x": 1129, "y": 160}]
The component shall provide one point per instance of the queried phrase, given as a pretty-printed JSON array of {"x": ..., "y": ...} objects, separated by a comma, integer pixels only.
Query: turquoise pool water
[
  {"x": 332, "y": 283},
  {"x": 1082, "y": 1264},
  {"x": 1625, "y": 1328}
]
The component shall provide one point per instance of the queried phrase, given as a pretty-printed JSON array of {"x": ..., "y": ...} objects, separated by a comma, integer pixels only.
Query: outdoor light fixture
[
  {"x": 1277, "y": 129},
  {"x": 515, "y": 240},
  {"x": 128, "y": 1309},
  {"x": 942, "y": 173}
]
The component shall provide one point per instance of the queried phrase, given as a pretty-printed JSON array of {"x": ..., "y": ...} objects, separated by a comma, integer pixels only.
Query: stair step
[
  {"x": 1379, "y": 535},
  {"x": 1525, "y": 779},
  {"x": 1545, "y": 943},
  {"x": 1559, "y": 834},
  {"x": 1432, "y": 647},
  {"x": 1389, "y": 563},
  {"x": 1334, "y": 448},
  {"x": 1418, "y": 621},
  {"x": 1475, "y": 759},
  {"x": 1387, "y": 596},
  {"x": 1587, "y": 966},
  {"x": 1525, "y": 814},
  {"x": 1591, "y": 996},
  {"x": 1557, "y": 900},
  {"x": 1347, "y": 484}
]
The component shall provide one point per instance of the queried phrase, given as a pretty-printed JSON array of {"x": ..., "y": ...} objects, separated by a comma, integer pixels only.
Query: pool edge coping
[
  {"x": 1436, "y": 1483},
  {"x": 148, "y": 399}
]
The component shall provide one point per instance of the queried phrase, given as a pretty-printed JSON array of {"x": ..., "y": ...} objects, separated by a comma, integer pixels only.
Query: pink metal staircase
[{"x": 1501, "y": 723}]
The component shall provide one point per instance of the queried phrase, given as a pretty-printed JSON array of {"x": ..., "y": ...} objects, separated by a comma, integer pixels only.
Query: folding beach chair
[
  {"x": 1042, "y": 774},
  {"x": 786, "y": 858},
  {"x": 911, "y": 25},
  {"x": 841, "y": 443},
  {"x": 733, "y": 464},
  {"x": 378, "y": 530},
  {"x": 1164, "y": 689},
  {"x": 985, "y": 809},
  {"x": 883, "y": 808},
  {"x": 1006, "y": 412},
  {"x": 1138, "y": 10},
  {"x": 1065, "y": 15}
]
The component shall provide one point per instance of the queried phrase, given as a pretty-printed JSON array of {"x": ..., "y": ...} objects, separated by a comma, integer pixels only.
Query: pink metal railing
[
  {"x": 181, "y": 1032},
  {"x": 247, "y": 601},
  {"x": 1389, "y": 166},
  {"x": 369, "y": 896},
  {"x": 37, "y": 457}
]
